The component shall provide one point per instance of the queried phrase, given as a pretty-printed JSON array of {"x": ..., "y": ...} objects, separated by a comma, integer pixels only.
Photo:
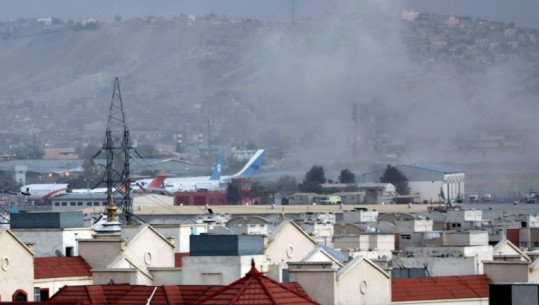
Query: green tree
[
  {"x": 394, "y": 176},
  {"x": 233, "y": 195},
  {"x": 347, "y": 176},
  {"x": 312, "y": 183}
]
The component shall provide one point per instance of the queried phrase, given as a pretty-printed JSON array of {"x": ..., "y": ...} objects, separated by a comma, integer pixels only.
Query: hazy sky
[{"x": 523, "y": 12}]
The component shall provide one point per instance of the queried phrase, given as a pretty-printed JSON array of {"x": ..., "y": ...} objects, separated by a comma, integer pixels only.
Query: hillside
[{"x": 286, "y": 85}]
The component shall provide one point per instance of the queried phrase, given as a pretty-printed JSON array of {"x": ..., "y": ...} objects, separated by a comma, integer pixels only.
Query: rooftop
[{"x": 439, "y": 288}]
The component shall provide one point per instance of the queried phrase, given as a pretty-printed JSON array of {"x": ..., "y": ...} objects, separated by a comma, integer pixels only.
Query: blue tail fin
[
  {"x": 216, "y": 174},
  {"x": 251, "y": 168}
]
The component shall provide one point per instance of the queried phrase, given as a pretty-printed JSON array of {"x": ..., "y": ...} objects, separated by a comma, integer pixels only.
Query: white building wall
[
  {"x": 46, "y": 242},
  {"x": 181, "y": 234},
  {"x": 364, "y": 284},
  {"x": 53, "y": 285},
  {"x": 290, "y": 244},
  {"x": 358, "y": 216},
  {"x": 16, "y": 268},
  {"x": 428, "y": 190}
]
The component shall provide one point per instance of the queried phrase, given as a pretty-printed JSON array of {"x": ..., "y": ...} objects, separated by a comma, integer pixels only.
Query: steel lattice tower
[{"x": 117, "y": 147}]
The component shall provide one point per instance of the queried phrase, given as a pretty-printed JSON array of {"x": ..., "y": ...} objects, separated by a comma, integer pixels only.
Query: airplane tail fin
[
  {"x": 253, "y": 165},
  {"x": 157, "y": 182},
  {"x": 216, "y": 174}
]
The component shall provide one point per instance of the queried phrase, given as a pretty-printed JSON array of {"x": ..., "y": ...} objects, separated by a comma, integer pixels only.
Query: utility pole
[{"x": 117, "y": 147}]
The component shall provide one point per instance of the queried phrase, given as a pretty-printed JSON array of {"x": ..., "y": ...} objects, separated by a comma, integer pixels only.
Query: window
[
  {"x": 64, "y": 204},
  {"x": 96, "y": 203},
  {"x": 56, "y": 204},
  {"x": 536, "y": 244},
  {"x": 455, "y": 225},
  {"x": 37, "y": 294},
  {"x": 79, "y": 203},
  {"x": 20, "y": 296},
  {"x": 523, "y": 244},
  {"x": 406, "y": 236},
  {"x": 72, "y": 204},
  {"x": 88, "y": 203}
]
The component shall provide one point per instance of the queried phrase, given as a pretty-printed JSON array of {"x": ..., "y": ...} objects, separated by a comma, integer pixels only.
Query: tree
[
  {"x": 312, "y": 183},
  {"x": 398, "y": 179},
  {"x": 347, "y": 176}
]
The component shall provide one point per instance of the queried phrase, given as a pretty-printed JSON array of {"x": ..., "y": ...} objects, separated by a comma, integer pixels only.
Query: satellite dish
[
  {"x": 210, "y": 211},
  {"x": 58, "y": 253}
]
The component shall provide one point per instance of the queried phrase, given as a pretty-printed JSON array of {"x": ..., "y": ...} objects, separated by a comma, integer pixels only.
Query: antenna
[{"x": 117, "y": 146}]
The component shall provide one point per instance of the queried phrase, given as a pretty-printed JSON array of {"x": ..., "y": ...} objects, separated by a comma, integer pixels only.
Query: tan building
[
  {"x": 139, "y": 256},
  {"x": 287, "y": 243},
  {"x": 60, "y": 153}
]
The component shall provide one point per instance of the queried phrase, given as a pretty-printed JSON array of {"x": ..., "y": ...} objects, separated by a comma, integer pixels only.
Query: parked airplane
[
  {"x": 46, "y": 191},
  {"x": 215, "y": 181},
  {"x": 43, "y": 191}
]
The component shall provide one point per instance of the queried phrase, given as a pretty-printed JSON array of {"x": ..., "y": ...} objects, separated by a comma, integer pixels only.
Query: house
[
  {"x": 137, "y": 255},
  {"x": 16, "y": 269},
  {"x": 371, "y": 245},
  {"x": 253, "y": 288},
  {"x": 288, "y": 242},
  {"x": 221, "y": 259},
  {"x": 256, "y": 288},
  {"x": 53, "y": 273},
  {"x": 51, "y": 233},
  {"x": 466, "y": 289},
  {"x": 360, "y": 281}
]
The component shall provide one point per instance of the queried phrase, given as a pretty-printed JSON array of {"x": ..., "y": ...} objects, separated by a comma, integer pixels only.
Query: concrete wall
[
  {"x": 363, "y": 284},
  {"x": 310, "y": 277},
  {"x": 46, "y": 242},
  {"x": 218, "y": 270},
  {"x": 16, "y": 268},
  {"x": 289, "y": 245},
  {"x": 147, "y": 250},
  {"x": 166, "y": 276},
  {"x": 181, "y": 234},
  {"x": 101, "y": 252},
  {"x": 428, "y": 190},
  {"x": 506, "y": 272},
  {"x": 359, "y": 216},
  {"x": 55, "y": 284}
]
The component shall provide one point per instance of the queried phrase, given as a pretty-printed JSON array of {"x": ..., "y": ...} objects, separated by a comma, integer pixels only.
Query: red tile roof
[
  {"x": 255, "y": 288},
  {"x": 439, "y": 288},
  {"x": 125, "y": 294},
  {"x": 58, "y": 267}
]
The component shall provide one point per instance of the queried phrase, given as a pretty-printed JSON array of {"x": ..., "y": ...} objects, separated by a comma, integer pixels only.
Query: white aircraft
[
  {"x": 43, "y": 191},
  {"x": 213, "y": 182},
  {"x": 46, "y": 191}
]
